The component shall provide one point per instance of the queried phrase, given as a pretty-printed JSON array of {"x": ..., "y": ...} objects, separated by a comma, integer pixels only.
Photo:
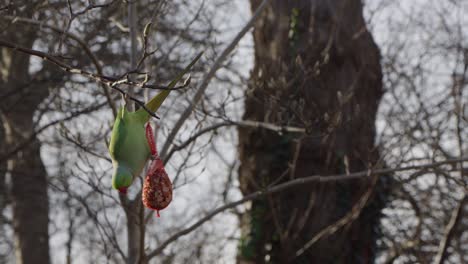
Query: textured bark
[
  {"x": 3, "y": 184},
  {"x": 316, "y": 66},
  {"x": 135, "y": 230},
  {"x": 28, "y": 194}
]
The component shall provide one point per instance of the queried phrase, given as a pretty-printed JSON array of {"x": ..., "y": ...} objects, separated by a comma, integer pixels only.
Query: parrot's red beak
[{"x": 123, "y": 190}]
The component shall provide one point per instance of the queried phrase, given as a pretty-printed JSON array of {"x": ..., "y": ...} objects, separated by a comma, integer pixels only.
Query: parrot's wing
[
  {"x": 156, "y": 101},
  {"x": 118, "y": 135}
]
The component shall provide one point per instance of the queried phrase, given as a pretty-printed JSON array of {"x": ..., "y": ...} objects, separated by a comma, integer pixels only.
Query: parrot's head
[{"x": 122, "y": 178}]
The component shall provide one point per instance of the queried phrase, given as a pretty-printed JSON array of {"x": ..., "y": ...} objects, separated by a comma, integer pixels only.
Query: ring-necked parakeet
[{"x": 128, "y": 146}]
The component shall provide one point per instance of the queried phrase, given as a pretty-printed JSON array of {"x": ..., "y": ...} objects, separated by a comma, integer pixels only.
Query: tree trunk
[
  {"x": 134, "y": 212},
  {"x": 30, "y": 204},
  {"x": 28, "y": 194},
  {"x": 316, "y": 66}
]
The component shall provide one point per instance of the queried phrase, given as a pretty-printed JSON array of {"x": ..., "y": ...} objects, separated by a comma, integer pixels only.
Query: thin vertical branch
[
  {"x": 133, "y": 45},
  {"x": 450, "y": 231},
  {"x": 133, "y": 208}
]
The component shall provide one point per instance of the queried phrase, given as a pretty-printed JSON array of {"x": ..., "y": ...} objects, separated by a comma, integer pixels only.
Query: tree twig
[
  {"x": 80, "y": 42},
  {"x": 244, "y": 123},
  {"x": 108, "y": 80},
  {"x": 291, "y": 184},
  {"x": 33, "y": 135},
  {"x": 207, "y": 78},
  {"x": 449, "y": 231}
]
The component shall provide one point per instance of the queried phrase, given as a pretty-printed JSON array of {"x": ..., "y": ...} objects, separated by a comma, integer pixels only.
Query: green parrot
[{"x": 129, "y": 148}]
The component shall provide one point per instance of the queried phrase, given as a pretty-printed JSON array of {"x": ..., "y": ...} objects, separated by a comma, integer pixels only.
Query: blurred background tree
[{"x": 317, "y": 67}]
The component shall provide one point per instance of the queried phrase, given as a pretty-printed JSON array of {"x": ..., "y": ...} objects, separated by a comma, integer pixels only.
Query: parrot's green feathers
[
  {"x": 122, "y": 177},
  {"x": 117, "y": 136},
  {"x": 128, "y": 146},
  {"x": 154, "y": 104}
]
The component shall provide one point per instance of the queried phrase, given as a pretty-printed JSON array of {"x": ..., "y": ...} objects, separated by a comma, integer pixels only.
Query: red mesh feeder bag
[{"x": 157, "y": 188}]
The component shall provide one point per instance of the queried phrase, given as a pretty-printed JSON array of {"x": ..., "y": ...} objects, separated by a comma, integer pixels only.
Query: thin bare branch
[
  {"x": 449, "y": 231},
  {"x": 294, "y": 183},
  {"x": 207, "y": 78}
]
